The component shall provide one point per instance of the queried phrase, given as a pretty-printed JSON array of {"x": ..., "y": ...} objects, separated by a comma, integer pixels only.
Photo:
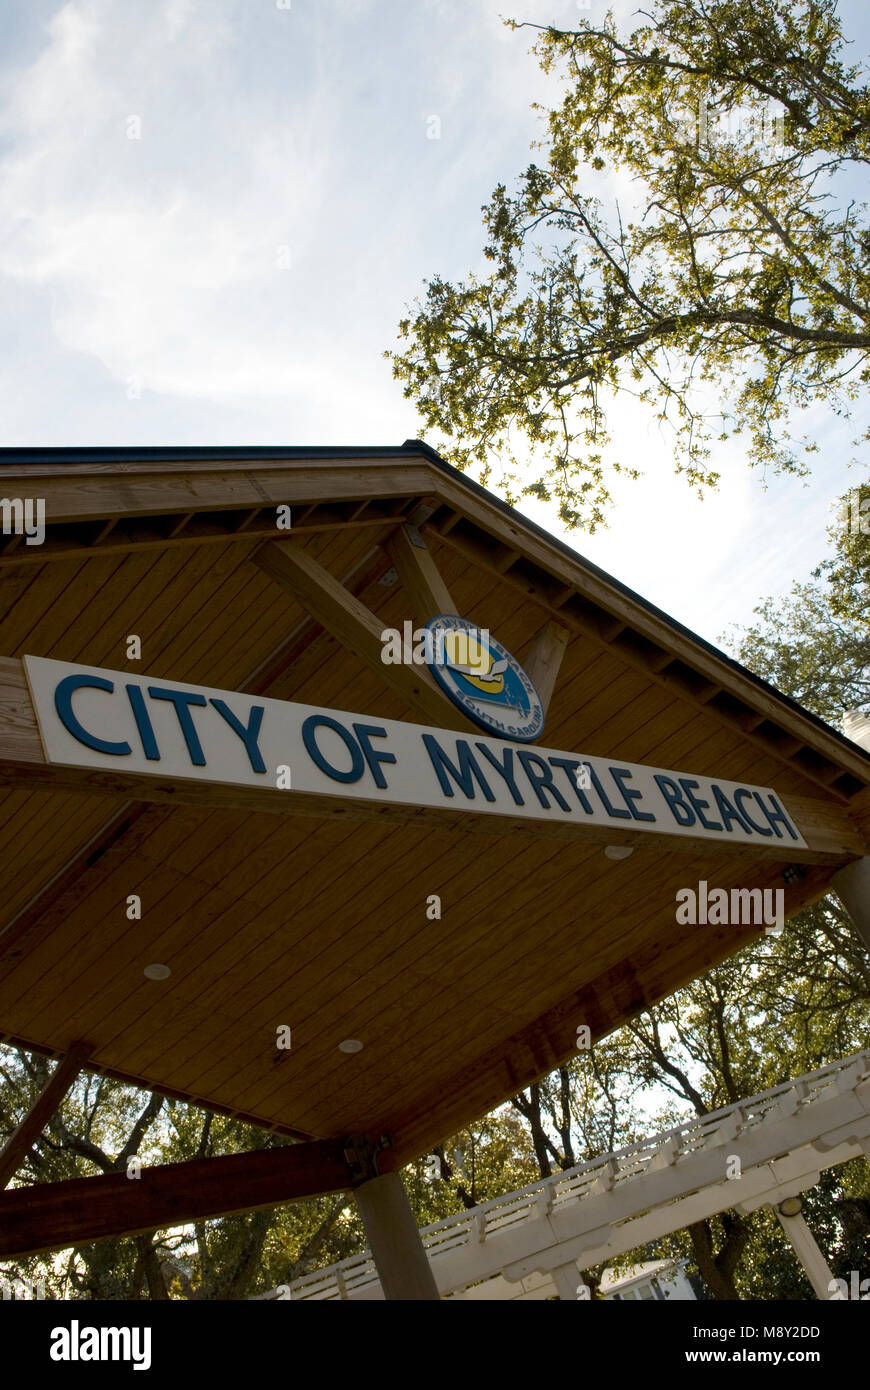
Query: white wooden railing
[{"x": 485, "y": 1227}]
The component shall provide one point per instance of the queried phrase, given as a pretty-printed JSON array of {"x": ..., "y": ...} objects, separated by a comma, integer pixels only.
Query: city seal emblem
[{"x": 482, "y": 679}]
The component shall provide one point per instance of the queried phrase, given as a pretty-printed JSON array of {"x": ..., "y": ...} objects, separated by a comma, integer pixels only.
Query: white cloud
[{"x": 304, "y": 128}]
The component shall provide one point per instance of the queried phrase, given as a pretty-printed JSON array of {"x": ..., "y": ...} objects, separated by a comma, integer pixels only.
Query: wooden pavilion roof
[{"x": 320, "y": 923}]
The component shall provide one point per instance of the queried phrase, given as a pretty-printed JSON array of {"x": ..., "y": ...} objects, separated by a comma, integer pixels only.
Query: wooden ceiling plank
[
  {"x": 15, "y": 582},
  {"x": 424, "y": 1031},
  {"x": 338, "y": 935},
  {"x": 86, "y": 958},
  {"x": 641, "y": 913},
  {"x": 331, "y": 925},
  {"x": 604, "y": 1004},
  {"x": 155, "y": 587},
  {"x": 102, "y": 860},
  {"x": 236, "y": 926},
  {"x": 107, "y": 613},
  {"x": 329, "y": 931},
  {"x": 275, "y": 946},
  {"x": 43, "y": 605},
  {"x": 331, "y": 965},
  {"x": 111, "y": 955},
  {"x": 446, "y": 951},
  {"x": 635, "y": 733}
]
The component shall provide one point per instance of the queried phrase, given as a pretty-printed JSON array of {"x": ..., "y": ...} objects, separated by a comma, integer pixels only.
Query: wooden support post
[
  {"x": 567, "y": 1281},
  {"x": 21, "y": 1141},
  {"x": 394, "y": 1240},
  {"x": 427, "y": 594},
  {"x": 812, "y": 1261},
  {"x": 52, "y": 1216},
  {"x": 852, "y": 886},
  {"x": 544, "y": 657},
  {"x": 356, "y": 627}
]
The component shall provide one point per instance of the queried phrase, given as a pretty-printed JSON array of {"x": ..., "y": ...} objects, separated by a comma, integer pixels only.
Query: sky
[{"x": 216, "y": 211}]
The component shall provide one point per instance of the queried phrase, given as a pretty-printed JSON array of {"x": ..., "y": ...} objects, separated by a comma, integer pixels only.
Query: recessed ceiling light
[
  {"x": 157, "y": 972},
  {"x": 350, "y": 1045},
  {"x": 792, "y": 1206},
  {"x": 618, "y": 851}
]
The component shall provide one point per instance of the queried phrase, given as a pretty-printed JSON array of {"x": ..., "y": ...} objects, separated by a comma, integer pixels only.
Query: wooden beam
[
  {"x": 53, "y": 1216},
  {"x": 544, "y": 657},
  {"x": 356, "y": 627},
  {"x": 121, "y": 541},
  {"x": 21, "y": 1141},
  {"x": 308, "y": 642},
  {"x": 825, "y": 825},
  {"x": 75, "y": 491},
  {"x": 419, "y": 576}
]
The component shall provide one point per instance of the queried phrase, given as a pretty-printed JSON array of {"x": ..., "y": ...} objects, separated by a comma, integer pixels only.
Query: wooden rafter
[
  {"x": 21, "y": 1141},
  {"x": 419, "y": 575},
  {"x": 544, "y": 657},
  {"x": 357, "y": 627},
  {"x": 52, "y": 1216}
]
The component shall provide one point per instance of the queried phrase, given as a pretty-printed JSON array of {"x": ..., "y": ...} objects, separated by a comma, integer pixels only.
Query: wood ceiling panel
[
  {"x": 323, "y": 925},
  {"x": 615, "y": 925},
  {"x": 49, "y": 609},
  {"x": 428, "y": 1044},
  {"x": 651, "y": 932},
  {"x": 39, "y": 834},
  {"x": 15, "y": 581}
]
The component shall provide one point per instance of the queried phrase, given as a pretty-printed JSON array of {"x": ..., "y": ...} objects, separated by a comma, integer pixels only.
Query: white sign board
[{"x": 92, "y": 718}]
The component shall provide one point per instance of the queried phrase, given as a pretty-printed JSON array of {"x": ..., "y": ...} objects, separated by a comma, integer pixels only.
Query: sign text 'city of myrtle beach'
[{"x": 93, "y": 718}]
